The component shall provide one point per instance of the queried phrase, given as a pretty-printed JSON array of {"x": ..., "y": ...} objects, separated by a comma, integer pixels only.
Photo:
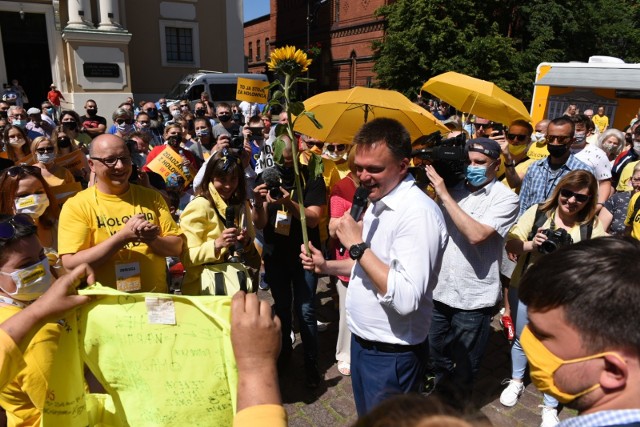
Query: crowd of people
[{"x": 419, "y": 275}]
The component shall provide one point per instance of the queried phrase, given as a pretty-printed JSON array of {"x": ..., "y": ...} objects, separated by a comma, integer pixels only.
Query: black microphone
[
  {"x": 358, "y": 206},
  {"x": 230, "y": 222}
]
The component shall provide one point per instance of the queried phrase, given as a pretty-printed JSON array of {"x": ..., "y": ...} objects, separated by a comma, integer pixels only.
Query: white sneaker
[
  {"x": 549, "y": 416},
  {"x": 510, "y": 395}
]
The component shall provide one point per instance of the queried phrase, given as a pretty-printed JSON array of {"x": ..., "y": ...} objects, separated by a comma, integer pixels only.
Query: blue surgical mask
[
  {"x": 20, "y": 123},
  {"x": 202, "y": 132},
  {"x": 125, "y": 128},
  {"x": 476, "y": 175}
]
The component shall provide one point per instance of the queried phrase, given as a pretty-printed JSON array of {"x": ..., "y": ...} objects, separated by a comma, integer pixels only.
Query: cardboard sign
[
  {"x": 65, "y": 191},
  {"x": 168, "y": 163},
  {"x": 251, "y": 90}
]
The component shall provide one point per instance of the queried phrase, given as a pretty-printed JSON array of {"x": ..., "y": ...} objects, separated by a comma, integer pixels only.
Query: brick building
[{"x": 340, "y": 34}]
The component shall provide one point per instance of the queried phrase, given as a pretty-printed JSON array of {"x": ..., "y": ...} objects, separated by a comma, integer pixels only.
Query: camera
[
  {"x": 555, "y": 240},
  {"x": 237, "y": 141},
  {"x": 448, "y": 156}
]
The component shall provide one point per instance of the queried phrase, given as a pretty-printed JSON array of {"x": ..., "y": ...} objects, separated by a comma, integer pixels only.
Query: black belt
[{"x": 386, "y": 347}]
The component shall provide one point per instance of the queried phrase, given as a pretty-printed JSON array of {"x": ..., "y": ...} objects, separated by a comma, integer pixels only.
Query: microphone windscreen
[{"x": 271, "y": 177}]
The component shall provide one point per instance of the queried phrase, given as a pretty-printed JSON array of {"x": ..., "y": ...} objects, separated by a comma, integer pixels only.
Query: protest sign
[
  {"x": 252, "y": 90},
  {"x": 169, "y": 163}
]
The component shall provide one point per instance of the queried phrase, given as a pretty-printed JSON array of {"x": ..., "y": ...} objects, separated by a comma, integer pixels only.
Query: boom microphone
[{"x": 358, "y": 206}]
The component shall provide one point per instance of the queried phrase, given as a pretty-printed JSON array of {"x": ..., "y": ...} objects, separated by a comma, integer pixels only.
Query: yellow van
[{"x": 603, "y": 81}]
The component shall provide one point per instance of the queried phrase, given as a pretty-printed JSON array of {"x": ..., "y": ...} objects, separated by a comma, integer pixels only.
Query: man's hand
[
  {"x": 284, "y": 200},
  {"x": 260, "y": 194},
  {"x": 315, "y": 262},
  {"x": 255, "y": 332},
  {"x": 349, "y": 231},
  {"x": 222, "y": 142},
  {"x": 436, "y": 181},
  {"x": 138, "y": 229},
  {"x": 63, "y": 295}
]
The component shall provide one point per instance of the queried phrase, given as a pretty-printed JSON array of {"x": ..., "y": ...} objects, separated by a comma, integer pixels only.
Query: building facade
[
  {"x": 338, "y": 35},
  {"x": 110, "y": 49}
]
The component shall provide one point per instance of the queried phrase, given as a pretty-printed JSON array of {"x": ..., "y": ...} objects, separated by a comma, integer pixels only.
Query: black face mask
[
  {"x": 200, "y": 112},
  {"x": 70, "y": 125},
  {"x": 153, "y": 113},
  {"x": 224, "y": 118},
  {"x": 175, "y": 140},
  {"x": 3, "y": 115},
  {"x": 64, "y": 142},
  {"x": 557, "y": 151},
  {"x": 92, "y": 111}
]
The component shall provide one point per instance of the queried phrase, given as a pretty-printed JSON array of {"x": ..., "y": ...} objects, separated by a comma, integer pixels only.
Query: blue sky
[{"x": 255, "y": 8}]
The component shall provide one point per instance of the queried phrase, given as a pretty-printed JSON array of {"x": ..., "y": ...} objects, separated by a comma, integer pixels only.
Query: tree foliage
[{"x": 502, "y": 41}]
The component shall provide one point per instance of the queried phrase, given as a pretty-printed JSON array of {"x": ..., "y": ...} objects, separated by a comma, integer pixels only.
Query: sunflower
[{"x": 289, "y": 60}]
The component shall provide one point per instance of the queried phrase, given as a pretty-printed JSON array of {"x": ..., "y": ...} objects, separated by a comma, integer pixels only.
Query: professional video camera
[{"x": 448, "y": 157}]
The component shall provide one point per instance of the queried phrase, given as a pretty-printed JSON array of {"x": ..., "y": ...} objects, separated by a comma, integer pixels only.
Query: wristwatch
[{"x": 356, "y": 251}]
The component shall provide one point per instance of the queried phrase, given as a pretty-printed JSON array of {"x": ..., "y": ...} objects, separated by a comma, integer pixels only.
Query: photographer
[
  {"x": 478, "y": 213},
  {"x": 568, "y": 216}
]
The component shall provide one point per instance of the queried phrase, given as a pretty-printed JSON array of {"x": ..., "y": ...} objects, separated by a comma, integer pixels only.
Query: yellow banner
[
  {"x": 163, "y": 359},
  {"x": 252, "y": 90},
  {"x": 168, "y": 163}
]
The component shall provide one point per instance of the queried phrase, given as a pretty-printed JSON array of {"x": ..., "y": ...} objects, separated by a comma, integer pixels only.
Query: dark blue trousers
[{"x": 376, "y": 376}]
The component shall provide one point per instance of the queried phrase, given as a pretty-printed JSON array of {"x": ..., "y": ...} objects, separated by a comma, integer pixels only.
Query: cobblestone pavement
[{"x": 331, "y": 404}]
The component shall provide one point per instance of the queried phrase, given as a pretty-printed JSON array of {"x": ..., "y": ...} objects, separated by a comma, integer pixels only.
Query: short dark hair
[
  {"x": 391, "y": 131},
  {"x": 21, "y": 231},
  {"x": 221, "y": 165},
  {"x": 597, "y": 283},
  {"x": 522, "y": 123},
  {"x": 561, "y": 121}
]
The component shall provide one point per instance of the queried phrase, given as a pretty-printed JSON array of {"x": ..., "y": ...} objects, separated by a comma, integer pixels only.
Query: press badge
[
  {"x": 283, "y": 223},
  {"x": 160, "y": 311},
  {"x": 128, "y": 277}
]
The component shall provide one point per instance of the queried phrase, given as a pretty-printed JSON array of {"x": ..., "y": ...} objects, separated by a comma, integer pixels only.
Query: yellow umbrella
[
  {"x": 476, "y": 96},
  {"x": 343, "y": 112}
]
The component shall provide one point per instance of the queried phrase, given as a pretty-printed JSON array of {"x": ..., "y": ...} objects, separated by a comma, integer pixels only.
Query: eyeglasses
[
  {"x": 20, "y": 170},
  {"x": 514, "y": 136},
  {"x": 111, "y": 162},
  {"x": 18, "y": 116},
  {"x": 482, "y": 125},
  {"x": 121, "y": 121},
  {"x": 151, "y": 110},
  {"x": 580, "y": 198},
  {"x": 562, "y": 139},
  {"x": 635, "y": 179},
  {"x": 339, "y": 147},
  {"x": 144, "y": 122},
  {"x": 8, "y": 228},
  {"x": 45, "y": 150}
]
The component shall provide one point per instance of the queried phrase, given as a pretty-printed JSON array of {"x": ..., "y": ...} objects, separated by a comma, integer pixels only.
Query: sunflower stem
[{"x": 296, "y": 166}]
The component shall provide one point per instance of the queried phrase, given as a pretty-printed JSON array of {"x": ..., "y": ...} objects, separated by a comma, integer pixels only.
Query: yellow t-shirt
[
  {"x": 624, "y": 183},
  {"x": 601, "y": 122},
  {"x": 538, "y": 151},
  {"x": 269, "y": 415},
  {"x": 11, "y": 360},
  {"x": 522, "y": 228},
  {"x": 24, "y": 396},
  {"x": 90, "y": 217},
  {"x": 634, "y": 222}
]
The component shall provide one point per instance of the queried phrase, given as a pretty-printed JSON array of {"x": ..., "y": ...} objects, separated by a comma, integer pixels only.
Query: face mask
[
  {"x": 125, "y": 128},
  {"x": 174, "y": 140},
  {"x": 92, "y": 111},
  {"x": 543, "y": 364},
  {"x": 202, "y": 133},
  {"x": 636, "y": 147},
  {"x": 333, "y": 155},
  {"x": 517, "y": 150},
  {"x": 153, "y": 114},
  {"x": 579, "y": 138},
  {"x": 50, "y": 111},
  {"x": 20, "y": 123},
  {"x": 16, "y": 142},
  {"x": 175, "y": 113},
  {"x": 31, "y": 282},
  {"x": 200, "y": 112},
  {"x": 557, "y": 151},
  {"x": 33, "y": 205},
  {"x": 537, "y": 137},
  {"x": 70, "y": 125},
  {"x": 476, "y": 175},
  {"x": 608, "y": 147},
  {"x": 46, "y": 158},
  {"x": 224, "y": 118},
  {"x": 64, "y": 142}
]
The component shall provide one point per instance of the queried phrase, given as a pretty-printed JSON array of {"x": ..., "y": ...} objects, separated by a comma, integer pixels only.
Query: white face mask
[
  {"x": 33, "y": 205},
  {"x": 31, "y": 282},
  {"x": 46, "y": 158},
  {"x": 16, "y": 141},
  {"x": 537, "y": 137},
  {"x": 636, "y": 147}
]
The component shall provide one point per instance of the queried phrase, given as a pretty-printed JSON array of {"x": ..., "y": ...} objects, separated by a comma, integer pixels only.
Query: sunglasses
[
  {"x": 151, "y": 110},
  {"x": 111, "y": 162},
  {"x": 144, "y": 122},
  {"x": 562, "y": 139},
  {"x": 580, "y": 198},
  {"x": 316, "y": 144},
  {"x": 520, "y": 138},
  {"x": 21, "y": 170},
  {"x": 8, "y": 228},
  {"x": 482, "y": 125},
  {"x": 45, "y": 150},
  {"x": 121, "y": 121},
  {"x": 339, "y": 147},
  {"x": 18, "y": 116}
]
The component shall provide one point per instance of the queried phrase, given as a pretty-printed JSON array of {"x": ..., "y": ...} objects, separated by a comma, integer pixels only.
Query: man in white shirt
[
  {"x": 479, "y": 212},
  {"x": 395, "y": 253}
]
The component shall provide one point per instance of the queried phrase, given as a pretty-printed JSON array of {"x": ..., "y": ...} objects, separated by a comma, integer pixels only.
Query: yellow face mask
[
  {"x": 543, "y": 364},
  {"x": 516, "y": 150}
]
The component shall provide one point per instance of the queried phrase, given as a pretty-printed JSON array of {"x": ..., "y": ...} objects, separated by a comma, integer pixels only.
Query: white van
[{"x": 221, "y": 87}]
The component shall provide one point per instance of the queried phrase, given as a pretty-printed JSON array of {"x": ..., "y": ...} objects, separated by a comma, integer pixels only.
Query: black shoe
[{"x": 312, "y": 376}]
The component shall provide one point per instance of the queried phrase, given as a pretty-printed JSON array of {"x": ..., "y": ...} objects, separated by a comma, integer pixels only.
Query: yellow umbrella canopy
[
  {"x": 475, "y": 96},
  {"x": 343, "y": 112}
]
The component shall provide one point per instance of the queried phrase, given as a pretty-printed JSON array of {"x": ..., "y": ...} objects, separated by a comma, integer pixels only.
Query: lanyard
[
  {"x": 12, "y": 302},
  {"x": 105, "y": 219}
]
